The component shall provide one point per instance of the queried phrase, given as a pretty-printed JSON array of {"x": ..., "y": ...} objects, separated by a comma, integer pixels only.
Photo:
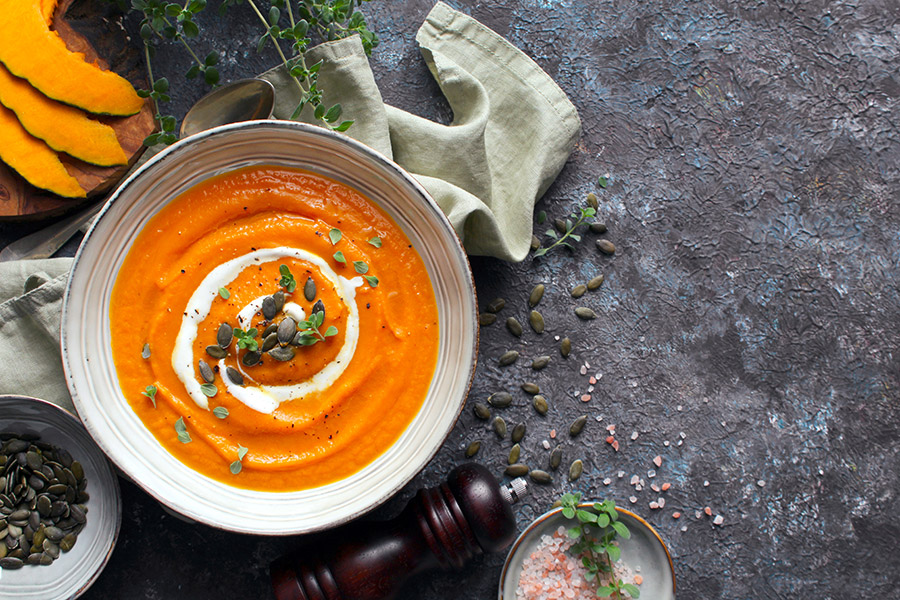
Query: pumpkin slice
[
  {"x": 33, "y": 159},
  {"x": 64, "y": 128},
  {"x": 30, "y": 50}
]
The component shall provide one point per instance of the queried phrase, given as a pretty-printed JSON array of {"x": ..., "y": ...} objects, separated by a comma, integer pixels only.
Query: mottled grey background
[{"x": 752, "y": 306}]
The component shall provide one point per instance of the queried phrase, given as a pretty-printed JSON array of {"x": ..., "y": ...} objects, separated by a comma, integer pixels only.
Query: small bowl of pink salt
[{"x": 546, "y": 563}]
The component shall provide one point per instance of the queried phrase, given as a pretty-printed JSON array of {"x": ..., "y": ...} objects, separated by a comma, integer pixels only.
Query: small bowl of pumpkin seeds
[{"x": 60, "y": 506}]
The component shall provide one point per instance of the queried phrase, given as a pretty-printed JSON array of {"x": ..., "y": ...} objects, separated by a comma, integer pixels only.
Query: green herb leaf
[
  {"x": 361, "y": 267},
  {"x": 541, "y": 217},
  {"x": 339, "y": 256},
  {"x": 150, "y": 392},
  {"x": 632, "y": 590},
  {"x": 602, "y": 182},
  {"x": 236, "y": 467},
  {"x": 242, "y": 452},
  {"x": 246, "y": 339},
  {"x": 224, "y": 293},
  {"x": 220, "y": 412},
  {"x": 181, "y": 430},
  {"x": 621, "y": 529},
  {"x": 332, "y": 330},
  {"x": 375, "y": 241},
  {"x": 568, "y": 512},
  {"x": 287, "y": 280},
  {"x": 209, "y": 390},
  {"x": 373, "y": 281},
  {"x": 335, "y": 236}
]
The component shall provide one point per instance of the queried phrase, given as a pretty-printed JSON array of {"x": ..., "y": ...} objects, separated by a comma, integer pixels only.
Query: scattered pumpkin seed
[
  {"x": 577, "y": 425},
  {"x": 606, "y": 247},
  {"x": 531, "y": 388},
  {"x": 486, "y": 318},
  {"x": 234, "y": 376},
  {"x": 500, "y": 399},
  {"x": 495, "y": 305},
  {"x": 216, "y": 351},
  {"x": 555, "y": 457},
  {"x": 536, "y": 294},
  {"x": 499, "y": 426},
  {"x": 508, "y": 358},
  {"x": 514, "y": 326},
  {"x": 535, "y": 243},
  {"x": 286, "y": 331},
  {"x": 206, "y": 371},
  {"x": 514, "y": 453},
  {"x": 517, "y": 470},
  {"x": 542, "y": 477},
  {"x": 482, "y": 411},
  {"x": 473, "y": 448},
  {"x": 540, "y": 362},
  {"x": 592, "y": 201},
  {"x": 565, "y": 347},
  {"x": 537, "y": 321},
  {"x": 585, "y": 313},
  {"x": 282, "y": 353},
  {"x": 596, "y": 282},
  {"x": 540, "y": 404},
  {"x": 578, "y": 291},
  {"x": 576, "y": 470},
  {"x": 560, "y": 225},
  {"x": 518, "y": 433},
  {"x": 309, "y": 290},
  {"x": 598, "y": 227}
]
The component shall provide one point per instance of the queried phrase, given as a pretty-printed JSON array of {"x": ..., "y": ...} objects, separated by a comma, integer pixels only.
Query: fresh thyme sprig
[
  {"x": 309, "y": 330},
  {"x": 596, "y": 531}
]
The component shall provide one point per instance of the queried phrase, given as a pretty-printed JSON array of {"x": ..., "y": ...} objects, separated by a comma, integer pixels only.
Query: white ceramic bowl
[
  {"x": 74, "y": 571},
  {"x": 644, "y": 550},
  {"x": 91, "y": 374}
]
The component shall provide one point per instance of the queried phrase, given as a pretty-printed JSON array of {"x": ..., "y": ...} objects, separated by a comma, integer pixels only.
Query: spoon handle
[{"x": 45, "y": 242}]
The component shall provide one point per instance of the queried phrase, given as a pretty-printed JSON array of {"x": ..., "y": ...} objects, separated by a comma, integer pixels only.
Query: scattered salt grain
[
  {"x": 761, "y": 483},
  {"x": 708, "y": 511},
  {"x": 654, "y": 505},
  {"x": 661, "y": 502},
  {"x": 552, "y": 434},
  {"x": 705, "y": 483},
  {"x": 585, "y": 397},
  {"x": 632, "y": 499},
  {"x": 634, "y": 435},
  {"x": 676, "y": 515},
  {"x": 583, "y": 370},
  {"x": 638, "y": 487},
  {"x": 592, "y": 380},
  {"x": 666, "y": 486},
  {"x": 657, "y": 460},
  {"x": 651, "y": 473},
  {"x": 682, "y": 435},
  {"x": 620, "y": 474},
  {"x": 634, "y": 479},
  {"x": 545, "y": 444},
  {"x": 679, "y": 408},
  {"x": 607, "y": 481},
  {"x": 718, "y": 520},
  {"x": 679, "y": 443},
  {"x": 666, "y": 443},
  {"x": 654, "y": 487}
]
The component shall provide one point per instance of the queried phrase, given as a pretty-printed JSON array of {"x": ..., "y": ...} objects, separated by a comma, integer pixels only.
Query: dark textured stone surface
[{"x": 752, "y": 304}]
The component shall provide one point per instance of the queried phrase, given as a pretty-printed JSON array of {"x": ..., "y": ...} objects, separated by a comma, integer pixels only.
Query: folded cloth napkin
[{"x": 512, "y": 132}]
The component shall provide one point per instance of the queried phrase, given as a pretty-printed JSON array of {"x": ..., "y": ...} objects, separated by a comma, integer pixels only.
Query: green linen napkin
[{"x": 512, "y": 132}]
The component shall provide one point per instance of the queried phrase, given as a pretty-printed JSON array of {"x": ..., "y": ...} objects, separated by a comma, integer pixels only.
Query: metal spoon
[{"x": 241, "y": 100}]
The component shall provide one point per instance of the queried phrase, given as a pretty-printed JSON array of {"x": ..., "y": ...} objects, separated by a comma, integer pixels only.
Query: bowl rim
[
  {"x": 507, "y": 564},
  {"x": 117, "y": 491},
  {"x": 382, "y": 161}
]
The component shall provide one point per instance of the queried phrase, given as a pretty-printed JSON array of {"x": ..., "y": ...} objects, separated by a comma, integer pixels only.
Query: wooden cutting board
[{"x": 19, "y": 200}]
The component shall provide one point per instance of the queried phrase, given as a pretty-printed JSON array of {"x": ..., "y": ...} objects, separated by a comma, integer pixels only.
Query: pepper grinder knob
[{"x": 441, "y": 527}]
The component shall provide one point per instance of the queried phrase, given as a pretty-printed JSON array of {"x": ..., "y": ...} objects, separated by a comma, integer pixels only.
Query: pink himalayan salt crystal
[
  {"x": 657, "y": 461},
  {"x": 666, "y": 486},
  {"x": 718, "y": 520},
  {"x": 586, "y": 398},
  {"x": 592, "y": 380},
  {"x": 583, "y": 370},
  {"x": 676, "y": 515},
  {"x": 552, "y": 434}
]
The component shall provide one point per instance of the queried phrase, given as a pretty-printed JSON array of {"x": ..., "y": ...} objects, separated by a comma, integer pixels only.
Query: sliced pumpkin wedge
[
  {"x": 30, "y": 50},
  {"x": 64, "y": 128},
  {"x": 33, "y": 159}
]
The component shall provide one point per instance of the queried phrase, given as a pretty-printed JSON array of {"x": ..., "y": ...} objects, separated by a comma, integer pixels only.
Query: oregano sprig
[
  {"x": 596, "y": 530},
  {"x": 247, "y": 339},
  {"x": 309, "y": 330},
  {"x": 573, "y": 222}
]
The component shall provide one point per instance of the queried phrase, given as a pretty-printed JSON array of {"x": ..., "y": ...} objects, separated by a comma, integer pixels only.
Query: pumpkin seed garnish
[
  {"x": 287, "y": 280},
  {"x": 606, "y": 247},
  {"x": 596, "y": 282},
  {"x": 508, "y": 358},
  {"x": 278, "y": 297},
  {"x": 514, "y": 326},
  {"x": 216, "y": 351},
  {"x": 486, "y": 318},
  {"x": 542, "y": 477},
  {"x": 206, "y": 371},
  {"x": 234, "y": 376},
  {"x": 145, "y": 351},
  {"x": 269, "y": 342},
  {"x": 592, "y": 200},
  {"x": 531, "y": 388},
  {"x": 576, "y": 470},
  {"x": 319, "y": 307},
  {"x": 577, "y": 425},
  {"x": 268, "y": 308},
  {"x": 516, "y": 470},
  {"x": 585, "y": 313},
  {"x": 335, "y": 236},
  {"x": 536, "y": 294},
  {"x": 499, "y": 426},
  {"x": 282, "y": 354},
  {"x": 555, "y": 457},
  {"x": 224, "y": 335},
  {"x": 514, "y": 453},
  {"x": 209, "y": 390},
  {"x": 181, "y": 430},
  {"x": 286, "y": 330},
  {"x": 518, "y": 433},
  {"x": 481, "y": 411},
  {"x": 500, "y": 399},
  {"x": 565, "y": 347},
  {"x": 272, "y": 328},
  {"x": 360, "y": 267},
  {"x": 309, "y": 290},
  {"x": 537, "y": 321},
  {"x": 578, "y": 291},
  {"x": 224, "y": 293},
  {"x": 251, "y": 358},
  {"x": 540, "y": 362},
  {"x": 495, "y": 305},
  {"x": 473, "y": 448},
  {"x": 150, "y": 392},
  {"x": 540, "y": 404},
  {"x": 375, "y": 241},
  {"x": 220, "y": 412}
]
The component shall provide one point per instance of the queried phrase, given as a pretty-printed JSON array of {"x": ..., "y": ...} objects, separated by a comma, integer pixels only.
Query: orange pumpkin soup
[{"x": 313, "y": 316}]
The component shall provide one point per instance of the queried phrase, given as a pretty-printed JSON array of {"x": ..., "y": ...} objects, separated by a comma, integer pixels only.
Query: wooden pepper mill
[{"x": 441, "y": 527}]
